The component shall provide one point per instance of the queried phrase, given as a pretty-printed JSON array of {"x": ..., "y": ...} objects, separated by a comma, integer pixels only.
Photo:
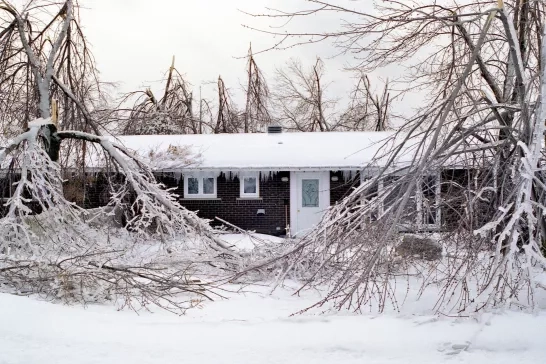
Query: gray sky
[{"x": 133, "y": 41}]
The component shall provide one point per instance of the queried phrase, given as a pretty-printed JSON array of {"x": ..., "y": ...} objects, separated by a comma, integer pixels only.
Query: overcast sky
[{"x": 133, "y": 41}]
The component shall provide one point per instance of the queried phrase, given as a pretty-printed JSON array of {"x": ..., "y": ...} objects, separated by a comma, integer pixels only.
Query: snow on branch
[
  {"x": 475, "y": 186},
  {"x": 52, "y": 246}
]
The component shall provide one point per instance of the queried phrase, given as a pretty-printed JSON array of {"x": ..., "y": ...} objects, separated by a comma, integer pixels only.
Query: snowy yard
[
  {"x": 422, "y": 197},
  {"x": 256, "y": 328}
]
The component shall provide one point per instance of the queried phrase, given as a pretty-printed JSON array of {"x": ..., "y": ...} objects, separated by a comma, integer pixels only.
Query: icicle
[{"x": 348, "y": 174}]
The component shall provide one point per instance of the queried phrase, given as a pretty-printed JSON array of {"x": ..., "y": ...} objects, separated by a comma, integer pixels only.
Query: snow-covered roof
[{"x": 262, "y": 151}]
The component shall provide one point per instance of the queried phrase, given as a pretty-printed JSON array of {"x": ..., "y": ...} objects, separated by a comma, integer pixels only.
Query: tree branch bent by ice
[{"x": 41, "y": 229}]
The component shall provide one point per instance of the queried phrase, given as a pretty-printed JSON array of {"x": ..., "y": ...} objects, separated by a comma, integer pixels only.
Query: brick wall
[
  {"x": 274, "y": 199},
  {"x": 342, "y": 187},
  {"x": 97, "y": 190},
  {"x": 5, "y": 192},
  {"x": 7, "y": 188},
  {"x": 455, "y": 183}
]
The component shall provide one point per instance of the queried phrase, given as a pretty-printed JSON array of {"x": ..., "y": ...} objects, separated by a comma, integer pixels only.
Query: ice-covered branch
[{"x": 44, "y": 236}]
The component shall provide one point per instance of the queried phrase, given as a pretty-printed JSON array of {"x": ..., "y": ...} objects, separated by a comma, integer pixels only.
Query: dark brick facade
[
  {"x": 342, "y": 187},
  {"x": 5, "y": 192},
  {"x": 97, "y": 190},
  {"x": 7, "y": 188},
  {"x": 274, "y": 199}
]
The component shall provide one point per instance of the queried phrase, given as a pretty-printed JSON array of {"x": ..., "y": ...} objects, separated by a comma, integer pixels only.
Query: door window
[{"x": 310, "y": 193}]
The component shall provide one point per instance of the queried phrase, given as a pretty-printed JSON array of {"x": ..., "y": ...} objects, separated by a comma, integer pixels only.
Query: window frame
[
  {"x": 200, "y": 187},
  {"x": 242, "y": 193},
  {"x": 434, "y": 200}
]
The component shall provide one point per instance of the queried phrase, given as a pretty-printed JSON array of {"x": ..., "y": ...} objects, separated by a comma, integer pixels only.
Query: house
[{"x": 274, "y": 183}]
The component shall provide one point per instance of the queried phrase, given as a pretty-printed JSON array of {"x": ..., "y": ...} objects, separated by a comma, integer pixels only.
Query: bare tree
[
  {"x": 367, "y": 111},
  {"x": 173, "y": 113},
  {"x": 482, "y": 67},
  {"x": 257, "y": 98},
  {"x": 228, "y": 119},
  {"x": 31, "y": 63},
  {"x": 53, "y": 247},
  {"x": 206, "y": 115},
  {"x": 299, "y": 97},
  {"x": 68, "y": 72}
]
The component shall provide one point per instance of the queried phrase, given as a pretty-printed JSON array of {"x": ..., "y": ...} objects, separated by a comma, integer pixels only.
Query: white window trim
[
  {"x": 200, "y": 195},
  {"x": 422, "y": 218},
  {"x": 242, "y": 186}
]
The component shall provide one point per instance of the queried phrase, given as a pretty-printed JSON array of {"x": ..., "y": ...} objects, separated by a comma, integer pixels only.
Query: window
[
  {"x": 208, "y": 186},
  {"x": 250, "y": 186},
  {"x": 428, "y": 200},
  {"x": 379, "y": 195},
  {"x": 193, "y": 186},
  {"x": 199, "y": 187},
  {"x": 310, "y": 193}
]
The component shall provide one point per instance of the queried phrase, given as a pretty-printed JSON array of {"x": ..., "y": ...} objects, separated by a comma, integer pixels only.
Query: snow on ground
[
  {"x": 248, "y": 242},
  {"x": 257, "y": 328}
]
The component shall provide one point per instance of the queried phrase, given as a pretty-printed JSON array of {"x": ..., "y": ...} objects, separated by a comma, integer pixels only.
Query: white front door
[{"x": 309, "y": 199}]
